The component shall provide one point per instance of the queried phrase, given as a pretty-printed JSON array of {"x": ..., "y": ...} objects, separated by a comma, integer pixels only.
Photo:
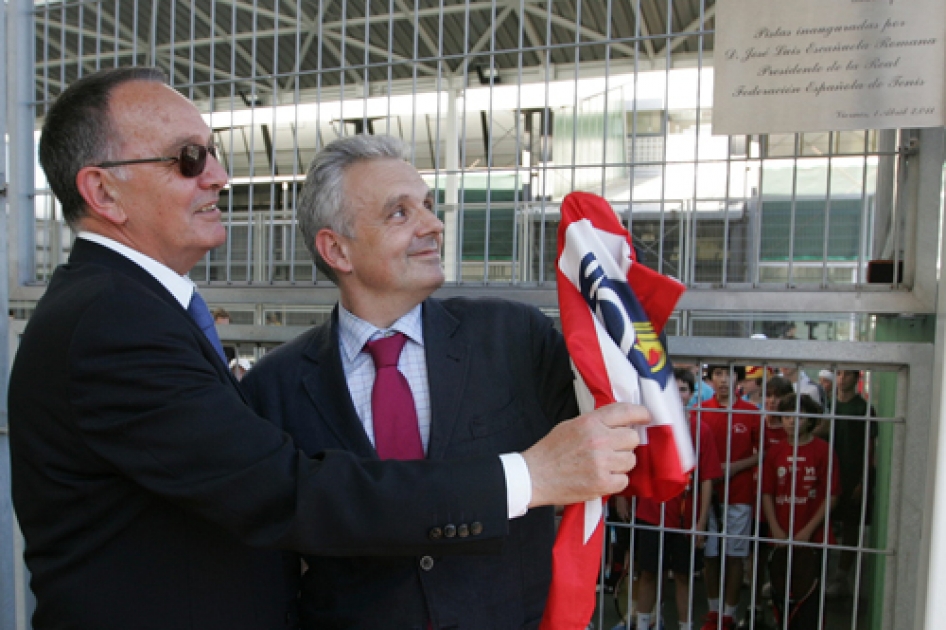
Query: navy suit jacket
[
  {"x": 152, "y": 497},
  {"x": 499, "y": 379}
]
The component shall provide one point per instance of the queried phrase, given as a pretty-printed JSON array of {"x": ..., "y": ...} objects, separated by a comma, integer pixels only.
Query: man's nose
[
  {"x": 431, "y": 224},
  {"x": 214, "y": 175}
]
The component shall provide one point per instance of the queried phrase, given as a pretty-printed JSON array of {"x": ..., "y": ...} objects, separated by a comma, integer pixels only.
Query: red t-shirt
[
  {"x": 680, "y": 509},
  {"x": 773, "y": 436},
  {"x": 810, "y": 479},
  {"x": 739, "y": 433}
]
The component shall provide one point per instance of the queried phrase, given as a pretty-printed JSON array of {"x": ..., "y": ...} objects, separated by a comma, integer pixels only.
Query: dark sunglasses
[{"x": 191, "y": 161}]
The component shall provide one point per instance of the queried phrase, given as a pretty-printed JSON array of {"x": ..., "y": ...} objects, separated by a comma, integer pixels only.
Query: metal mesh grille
[
  {"x": 509, "y": 105},
  {"x": 526, "y": 100},
  {"x": 854, "y": 530}
]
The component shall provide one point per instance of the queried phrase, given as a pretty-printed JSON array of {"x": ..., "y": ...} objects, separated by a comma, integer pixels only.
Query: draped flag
[{"x": 613, "y": 311}]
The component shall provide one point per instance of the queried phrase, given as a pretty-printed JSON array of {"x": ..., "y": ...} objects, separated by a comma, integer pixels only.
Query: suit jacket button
[
  {"x": 435, "y": 533},
  {"x": 476, "y": 528},
  {"x": 426, "y": 563},
  {"x": 463, "y": 531},
  {"x": 450, "y": 530}
]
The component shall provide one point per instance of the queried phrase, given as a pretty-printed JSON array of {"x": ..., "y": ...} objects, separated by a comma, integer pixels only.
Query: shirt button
[
  {"x": 463, "y": 531},
  {"x": 476, "y": 528},
  {"x": 435, "y": 533},
  {"x": 450, "y": 531},
  {"x": 426, "y": 563}
]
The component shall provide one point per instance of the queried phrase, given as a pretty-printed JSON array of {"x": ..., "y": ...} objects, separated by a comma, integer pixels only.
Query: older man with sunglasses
[{"x": 150, "y": 495}]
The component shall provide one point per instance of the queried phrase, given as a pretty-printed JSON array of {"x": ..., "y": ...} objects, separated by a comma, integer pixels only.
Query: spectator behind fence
[
  {"x": 751, "y": 386},
  {"x": 800, "y": 474},
  {"x": 855, "y": 506},
  {"x": 704, "y": 388},
  {"x": 776, "y": 388},
  {"x": 150, "y": 496},
  {"x": 686, "y": 384},
  {"x": 826, "y": 384},
  {"x": 688, "y": 511},
  {"x": 735, "y": 425},
  {"x": 222, "y": 318},
  {"x": 773, "y": 433},
  {"x": 802, "y": 384}
]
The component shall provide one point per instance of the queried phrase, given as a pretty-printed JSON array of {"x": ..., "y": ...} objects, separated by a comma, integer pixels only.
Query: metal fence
[
  {"x": 508, "y": 105},
  {"x": 875, "y": 537}
]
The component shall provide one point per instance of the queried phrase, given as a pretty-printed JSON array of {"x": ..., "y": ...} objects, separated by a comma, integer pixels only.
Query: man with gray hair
[
  {"x": 473, "y": 378},
  {"x": 150, "y": 495}
]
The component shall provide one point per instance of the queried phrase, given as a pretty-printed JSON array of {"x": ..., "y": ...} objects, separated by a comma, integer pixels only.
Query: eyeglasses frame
[{"x": 208, "y": 150}]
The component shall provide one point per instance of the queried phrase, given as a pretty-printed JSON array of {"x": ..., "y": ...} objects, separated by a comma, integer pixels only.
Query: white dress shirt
[{"x": 181, "y": 287}]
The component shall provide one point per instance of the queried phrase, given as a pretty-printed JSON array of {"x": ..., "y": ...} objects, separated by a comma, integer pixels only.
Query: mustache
[{"x": 424, "y": 244}]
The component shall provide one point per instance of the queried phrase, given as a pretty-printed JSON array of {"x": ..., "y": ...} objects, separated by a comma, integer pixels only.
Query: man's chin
[
  {"x": 430, "y": 266},
  {"x": 218, "y": 238},
  {"x": 434, "y": 283}
]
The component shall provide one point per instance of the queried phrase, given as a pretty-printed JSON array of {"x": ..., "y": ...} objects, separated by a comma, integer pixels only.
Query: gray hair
[
  {"x": 322, "y": 203},
  {"x": 77, "y": 132}
]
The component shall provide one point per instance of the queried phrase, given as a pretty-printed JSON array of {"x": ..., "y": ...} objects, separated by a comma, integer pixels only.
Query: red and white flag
[{"x": 613, "y": 311}]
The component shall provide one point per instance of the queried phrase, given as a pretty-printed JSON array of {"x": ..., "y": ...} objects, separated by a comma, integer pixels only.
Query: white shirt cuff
[{"x": 518, "y": 484}]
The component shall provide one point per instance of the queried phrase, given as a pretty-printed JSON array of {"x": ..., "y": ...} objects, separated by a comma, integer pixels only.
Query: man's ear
[
  {"x": 333, "y": 248},
  {"x": 101, "y": 197}
]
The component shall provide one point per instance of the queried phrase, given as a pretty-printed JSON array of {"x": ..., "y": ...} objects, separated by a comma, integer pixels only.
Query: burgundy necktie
[{"x": 396, "y": 435}]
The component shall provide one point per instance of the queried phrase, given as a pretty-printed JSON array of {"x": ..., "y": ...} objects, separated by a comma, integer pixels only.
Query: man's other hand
[{"x": 586, "y": 457}]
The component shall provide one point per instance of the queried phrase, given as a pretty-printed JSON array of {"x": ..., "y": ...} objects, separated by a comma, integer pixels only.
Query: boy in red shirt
[
  {"x": 795, "y": 486},
  {"x": 678, "y": 514},
  {"x": 735, "y": 425},
  {"x": 772, "y": 434}
]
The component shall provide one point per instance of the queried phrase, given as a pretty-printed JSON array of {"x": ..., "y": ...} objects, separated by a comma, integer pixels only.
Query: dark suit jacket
[
  {"x": 499, "y": 378},
  {"x": 149, "y": 492}
]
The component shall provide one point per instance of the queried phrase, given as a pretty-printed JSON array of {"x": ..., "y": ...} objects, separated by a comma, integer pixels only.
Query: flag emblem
[{"x": 648, "y": 344}]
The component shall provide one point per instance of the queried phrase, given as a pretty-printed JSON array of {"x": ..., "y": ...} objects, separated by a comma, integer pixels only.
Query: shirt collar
[
  {"x": 181, "y": 287},
  {"x": 354, "y": 332}
]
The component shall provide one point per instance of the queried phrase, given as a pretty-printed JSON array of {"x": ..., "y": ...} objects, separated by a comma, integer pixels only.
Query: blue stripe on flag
[{"x": 622, "y": 315}]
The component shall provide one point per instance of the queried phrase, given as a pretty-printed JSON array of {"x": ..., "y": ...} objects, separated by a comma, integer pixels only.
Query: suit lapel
[
  {"x": 88, "y": 252},
  {"x": 448, "y": 359},
  {"x": 324, "y": 382}
]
